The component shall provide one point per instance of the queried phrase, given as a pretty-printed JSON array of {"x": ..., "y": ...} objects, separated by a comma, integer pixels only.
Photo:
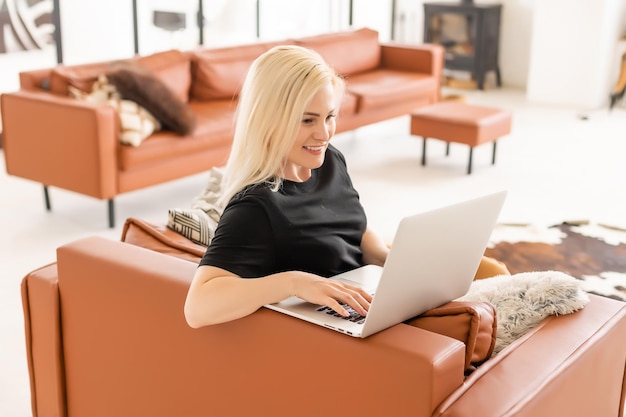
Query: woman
[{"x": 292, "y": 217}]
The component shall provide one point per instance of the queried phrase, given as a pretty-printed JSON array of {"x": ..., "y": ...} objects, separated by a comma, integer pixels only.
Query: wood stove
[{"x": 470, "y": 34}]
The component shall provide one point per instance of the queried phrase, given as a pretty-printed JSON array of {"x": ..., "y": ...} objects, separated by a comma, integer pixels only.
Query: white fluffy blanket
[{"x": 523, "y": 300}]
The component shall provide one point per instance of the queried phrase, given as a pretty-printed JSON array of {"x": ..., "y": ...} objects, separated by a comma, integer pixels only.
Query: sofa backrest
[
  {"x": 81, "y": 77},
  {"x": 219, "y": 73},
  {"x": 172, "y": 67},
  {"x": 349, "y": 52}
]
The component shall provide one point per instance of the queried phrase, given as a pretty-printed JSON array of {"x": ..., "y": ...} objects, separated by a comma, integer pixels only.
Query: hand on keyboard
[
  {"x": 354, "y": 316},
  {"x": 337, "y": 295}
]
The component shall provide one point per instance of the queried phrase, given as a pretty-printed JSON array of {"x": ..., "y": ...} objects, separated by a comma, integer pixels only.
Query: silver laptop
[{"x": 433, "y": 259}]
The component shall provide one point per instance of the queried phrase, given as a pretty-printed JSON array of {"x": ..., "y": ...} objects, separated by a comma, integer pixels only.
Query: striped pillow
[
  {"x": 195, "y": 224},
  {"x": 198, "y": 223}
]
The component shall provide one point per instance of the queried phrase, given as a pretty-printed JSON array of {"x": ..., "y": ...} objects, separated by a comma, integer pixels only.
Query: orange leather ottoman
[{"x": 460, "y": 122}]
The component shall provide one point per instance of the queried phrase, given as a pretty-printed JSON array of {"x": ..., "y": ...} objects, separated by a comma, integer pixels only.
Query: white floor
[{"x": 555, "y": 165}]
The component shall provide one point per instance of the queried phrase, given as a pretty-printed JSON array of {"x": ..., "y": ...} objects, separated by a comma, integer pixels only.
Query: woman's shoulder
[
  {"x": 252, "y": 193},
  {"x": 251, "y": 202}
]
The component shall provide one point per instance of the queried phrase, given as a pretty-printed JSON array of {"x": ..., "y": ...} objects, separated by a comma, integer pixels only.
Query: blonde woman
[{"x": 292, "y": 217}]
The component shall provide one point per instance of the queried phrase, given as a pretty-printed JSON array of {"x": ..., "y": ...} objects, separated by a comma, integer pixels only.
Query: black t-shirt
[{"x": 313, "y": 226}]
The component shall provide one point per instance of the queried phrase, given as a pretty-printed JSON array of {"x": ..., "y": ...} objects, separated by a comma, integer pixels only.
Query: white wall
[
  {"x": 541, "y": 41},
  {"x": 515, "y": 39},
  {"x": 573, "y": 53},
  {"x": 94, "y": 30}
]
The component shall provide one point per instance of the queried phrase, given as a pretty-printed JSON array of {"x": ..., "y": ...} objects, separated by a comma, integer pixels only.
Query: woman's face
[{"x": 316, "y": 129}]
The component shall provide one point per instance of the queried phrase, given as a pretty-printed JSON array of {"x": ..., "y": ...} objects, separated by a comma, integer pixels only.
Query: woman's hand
[
  {"x": 329, "y": 292},
  {"x": 217, "y": 296}
]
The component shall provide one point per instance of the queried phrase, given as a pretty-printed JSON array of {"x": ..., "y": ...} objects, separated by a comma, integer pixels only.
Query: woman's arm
[
  {"x": 217, "y": 296},
  {"x": 374, "y": 248}
]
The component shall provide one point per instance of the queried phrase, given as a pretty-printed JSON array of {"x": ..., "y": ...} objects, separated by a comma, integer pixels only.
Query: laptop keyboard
[{"x": 353, "y": 317}]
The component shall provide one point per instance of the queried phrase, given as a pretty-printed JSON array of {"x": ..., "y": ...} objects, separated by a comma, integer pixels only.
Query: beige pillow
[
  {"x": 198, "y": 223},
  {"x": 194, "y": 224},
  {"x": 136, "y": 123}
]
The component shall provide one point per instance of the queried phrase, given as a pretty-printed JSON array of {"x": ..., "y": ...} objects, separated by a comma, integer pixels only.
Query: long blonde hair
[{"x": 278, "y": 87}]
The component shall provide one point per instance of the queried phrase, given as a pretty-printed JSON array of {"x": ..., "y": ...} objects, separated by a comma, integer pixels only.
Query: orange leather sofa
[
  {"x": 62, "y": 142},
  {"x": 106, "y": 336}
]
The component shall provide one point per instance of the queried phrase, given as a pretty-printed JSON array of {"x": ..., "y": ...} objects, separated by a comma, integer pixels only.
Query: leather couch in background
[
  {"x": 59, "y": 141},
  {"x": 106, "y": 336}
]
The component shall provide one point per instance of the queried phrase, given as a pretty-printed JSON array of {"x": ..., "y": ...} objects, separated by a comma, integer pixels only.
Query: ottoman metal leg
[
  {"x": 469, "y": 165},
  {"x": 493, "y": 157},
  {"x": 111, "y": 212},
  {"x": 447, "y": 148},
  {"x": 423, "y": 151},
  {"x": 46, "y": 196}
]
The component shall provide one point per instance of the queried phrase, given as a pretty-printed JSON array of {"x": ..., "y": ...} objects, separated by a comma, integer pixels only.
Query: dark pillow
[{"x": 140, "y": 85}]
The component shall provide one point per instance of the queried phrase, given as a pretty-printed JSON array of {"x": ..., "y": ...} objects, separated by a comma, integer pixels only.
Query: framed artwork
[{"x": 26, "y": 25}]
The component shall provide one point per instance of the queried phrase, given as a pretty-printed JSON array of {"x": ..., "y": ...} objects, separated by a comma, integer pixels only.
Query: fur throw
[
  {"x": 140, "y": 85},
  {"x": 523, "y": 300},
  {"x": 136, "y": 123}
]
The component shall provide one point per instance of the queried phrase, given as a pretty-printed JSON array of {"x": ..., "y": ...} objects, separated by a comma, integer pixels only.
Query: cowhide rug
[{"x": 593, "y": 253}]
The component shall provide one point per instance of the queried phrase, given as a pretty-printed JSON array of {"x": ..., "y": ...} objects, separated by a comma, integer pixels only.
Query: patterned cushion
[
  {"x": 199, "y": 222},
  {"x": 136, "y": 122},
  {"x": 194, "y": 224},
  {"x": 143, "y": 86}
]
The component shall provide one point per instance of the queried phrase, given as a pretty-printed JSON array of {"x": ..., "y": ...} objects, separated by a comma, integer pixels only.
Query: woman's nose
[{"x": 323, "y": 133}]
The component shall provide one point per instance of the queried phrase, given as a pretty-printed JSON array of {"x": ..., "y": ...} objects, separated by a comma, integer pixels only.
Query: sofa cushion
[
  {"x": 142, "y": 86},
  {"x": 349, "y": 52},
  {"x": 194, "y": 224},
  {"x": 219, "y": 73},
  {"x": 136, "y": 123},
  {"x": 198, "y": 223},
  {"x": 173, "y": 68},
  {"x": 214, "y": 130},
  {"x": 380, "y": 88},
  {"x": 80, "y": 77}
]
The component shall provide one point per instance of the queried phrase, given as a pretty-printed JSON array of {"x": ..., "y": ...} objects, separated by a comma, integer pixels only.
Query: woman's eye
[{"x": 307, "y": 121}]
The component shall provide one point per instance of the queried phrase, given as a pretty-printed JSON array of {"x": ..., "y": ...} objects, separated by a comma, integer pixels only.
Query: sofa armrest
[
  {"x": 44, "y": 350},
  {"x": 425, "y": 58},
  {"x": 160, "y": 238},
  {"x": 473, "y": 323},
  {"x": 129, "y": 351},
  {"x": 61, "y": 141},
  {"x": 572, "y": 365}
]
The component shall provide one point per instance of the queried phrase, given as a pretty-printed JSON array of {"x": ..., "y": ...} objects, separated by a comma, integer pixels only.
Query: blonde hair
[{"x": 278, "y": 87}]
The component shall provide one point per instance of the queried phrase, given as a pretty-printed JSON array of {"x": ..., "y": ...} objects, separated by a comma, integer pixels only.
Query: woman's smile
[{"x": 315, "y": 149}]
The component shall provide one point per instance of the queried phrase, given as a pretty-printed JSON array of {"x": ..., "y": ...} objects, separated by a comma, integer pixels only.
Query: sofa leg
[
  {"x": 111, "y": 210},
  {"x": 46, "y": 196}
]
